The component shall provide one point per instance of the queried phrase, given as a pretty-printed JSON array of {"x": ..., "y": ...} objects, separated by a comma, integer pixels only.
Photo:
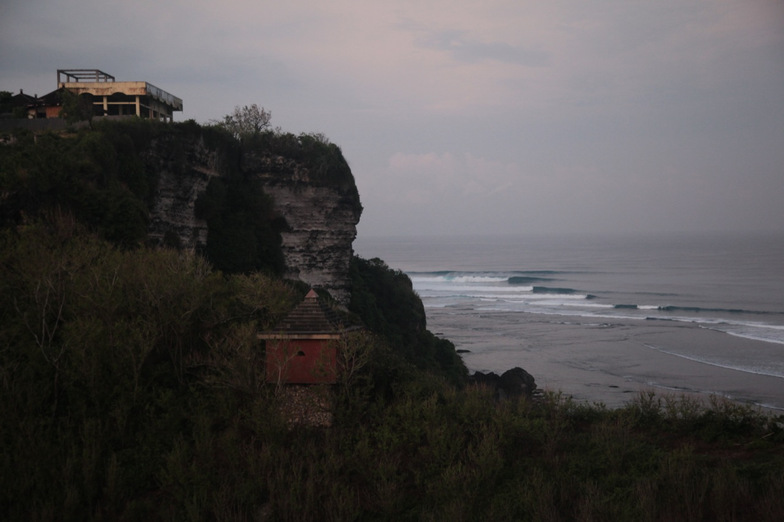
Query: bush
[
  {"x": 244, "y": 233},
  {"x": 386, "y": 302},
  {"x": 95, "y": 176},
  {"x": 132, "y": 387},
  {"x": 110, "y": 358},
  {"x": 324, "y": 160}
]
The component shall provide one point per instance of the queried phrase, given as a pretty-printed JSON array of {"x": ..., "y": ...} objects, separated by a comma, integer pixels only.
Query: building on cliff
[
  {"x": 106, "y": 96},
  {"x": 303, "y": 349}
]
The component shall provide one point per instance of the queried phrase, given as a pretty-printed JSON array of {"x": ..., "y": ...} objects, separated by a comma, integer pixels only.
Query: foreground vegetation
[
  {"x": 132, "y": 385},
  {"x": 132, "y": 388}
]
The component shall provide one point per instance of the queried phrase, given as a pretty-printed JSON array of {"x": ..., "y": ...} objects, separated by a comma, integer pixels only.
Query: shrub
[{"x": 386, "y": 302}]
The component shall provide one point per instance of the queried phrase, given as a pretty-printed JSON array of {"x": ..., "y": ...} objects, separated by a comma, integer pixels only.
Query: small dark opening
[{"x": 300, "y": 354}]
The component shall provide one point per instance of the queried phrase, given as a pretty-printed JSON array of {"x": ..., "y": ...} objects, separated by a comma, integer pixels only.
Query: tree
[
  {"x": 246, "y": 121},
  {"x": 6, "y": 102},
  {"x": 76, "y": 108},
  {"x": 354, "y": 352}
]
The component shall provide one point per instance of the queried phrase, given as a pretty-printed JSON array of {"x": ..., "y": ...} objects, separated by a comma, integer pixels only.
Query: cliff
[
  {"x": 182, "y": 167},
  {"x": 321, "y": 220},
  {"x": 311, "y": 189}
]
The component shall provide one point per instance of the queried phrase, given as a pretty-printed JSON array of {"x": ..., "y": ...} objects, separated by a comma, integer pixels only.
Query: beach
[
  {"x": 608, "y": 362},
  {"x": 603, "y": 318}
]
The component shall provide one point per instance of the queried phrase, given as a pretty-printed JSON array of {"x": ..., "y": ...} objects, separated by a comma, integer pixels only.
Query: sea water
[{"x": 732, "y": 284}]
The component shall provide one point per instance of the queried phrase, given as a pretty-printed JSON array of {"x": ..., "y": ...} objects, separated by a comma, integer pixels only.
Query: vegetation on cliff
[
  {"x": 385, "y": 300},
  {"x": 244, "y": 232},
  {"x": 250, "y": 125},
  {"x": 132, "y": 387},
  {"x": 107, "y": 176},
  {"x": 98, "y": 176}
]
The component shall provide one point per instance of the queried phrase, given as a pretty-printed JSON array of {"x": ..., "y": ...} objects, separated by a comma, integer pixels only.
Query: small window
[{"x": 300, "y": 354}]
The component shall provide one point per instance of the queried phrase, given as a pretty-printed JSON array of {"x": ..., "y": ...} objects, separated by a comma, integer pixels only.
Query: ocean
[{"x": 605, "y": 317}]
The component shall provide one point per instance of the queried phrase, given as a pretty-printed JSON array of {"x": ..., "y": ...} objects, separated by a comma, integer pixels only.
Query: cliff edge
[{"x": 312, "y": 190}]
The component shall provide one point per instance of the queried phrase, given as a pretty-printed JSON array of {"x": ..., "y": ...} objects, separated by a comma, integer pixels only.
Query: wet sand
[{"x": 608, "y": 362}]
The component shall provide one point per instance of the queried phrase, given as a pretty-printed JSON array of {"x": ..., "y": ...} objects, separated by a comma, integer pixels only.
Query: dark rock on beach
[{"x": 512, "y": 383}]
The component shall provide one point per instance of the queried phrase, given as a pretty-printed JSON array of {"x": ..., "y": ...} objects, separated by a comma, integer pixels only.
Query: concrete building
[
  {"x": 99, "y": 90},
  {"x": 112, "y": 98}
]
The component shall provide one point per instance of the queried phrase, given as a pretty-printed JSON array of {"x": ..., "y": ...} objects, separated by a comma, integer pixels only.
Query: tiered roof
[{"x": 311, "y": 317}]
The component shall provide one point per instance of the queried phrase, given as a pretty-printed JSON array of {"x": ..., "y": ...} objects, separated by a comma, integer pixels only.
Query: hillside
[
  {"x": 132, "y": 380},
  {"x": 279, "y": 203}
]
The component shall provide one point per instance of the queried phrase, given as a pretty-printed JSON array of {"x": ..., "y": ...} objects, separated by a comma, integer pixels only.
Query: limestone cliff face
[
  {"x": 183, "y": 168},
  {"x": 322, "y": 221},
  {"x": 321, "y": 212}
]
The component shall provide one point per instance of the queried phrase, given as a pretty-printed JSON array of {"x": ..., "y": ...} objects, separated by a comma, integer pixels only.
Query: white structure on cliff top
[
  {"x": 100, "y": 91},
  {"x": 112, "y": 98}
]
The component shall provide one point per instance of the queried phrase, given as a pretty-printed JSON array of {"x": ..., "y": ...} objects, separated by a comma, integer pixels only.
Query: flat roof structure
[
  {"x": 113, "y": 98},
  {"x": 83, "y": 74}
]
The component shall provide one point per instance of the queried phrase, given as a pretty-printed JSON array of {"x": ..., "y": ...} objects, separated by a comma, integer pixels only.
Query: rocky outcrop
[
  {"x": 512, "y": 383},
  {"x": 183, "y": 168},
  {"x": 321, "y": 208},
  {"x": 317, "y": 247},
  {"x": 322, "y": 221}
]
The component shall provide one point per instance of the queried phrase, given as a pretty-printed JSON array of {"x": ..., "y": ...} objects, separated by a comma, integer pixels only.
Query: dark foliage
[
  {"x": 132, "y": 388},
  {"x": 244, "y": 233},
  {"x": 96, "y": 176},
  {"x": 325, "y": 161},
  {"x": 75, "y": 108},
  {"x": 6, "y": 103},
  {"x": 107, "y": 179},
  {"x": 132, "y": 384},
  {"x": 385, "y": 300},
  {"x": 112, "y": 361}
]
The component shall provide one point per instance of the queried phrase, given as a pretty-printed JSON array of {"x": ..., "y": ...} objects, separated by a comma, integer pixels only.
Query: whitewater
[{"x": 692, "y": 313}]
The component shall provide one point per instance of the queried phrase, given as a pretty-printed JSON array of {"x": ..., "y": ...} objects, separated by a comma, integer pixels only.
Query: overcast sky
[{"x": 480, "y": 116}]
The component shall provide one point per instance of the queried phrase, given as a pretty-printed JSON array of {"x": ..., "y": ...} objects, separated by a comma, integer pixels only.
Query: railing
[
  {"x": 93, "y": 75},
  {"x": 165, "y": 97}
]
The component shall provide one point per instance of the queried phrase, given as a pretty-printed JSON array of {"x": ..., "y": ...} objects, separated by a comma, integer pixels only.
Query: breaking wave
[
  {"x": 550, "y": 290},
  {"x": 699, "y": 309},
  {"x": 522, "y": 291}
]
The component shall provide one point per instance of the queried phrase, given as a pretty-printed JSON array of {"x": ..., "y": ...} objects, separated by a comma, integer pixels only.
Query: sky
[{"x": 469, "y": 116}]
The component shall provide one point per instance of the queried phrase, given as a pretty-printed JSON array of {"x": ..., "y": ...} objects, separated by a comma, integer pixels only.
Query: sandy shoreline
[{"x": 608, "y": 362}]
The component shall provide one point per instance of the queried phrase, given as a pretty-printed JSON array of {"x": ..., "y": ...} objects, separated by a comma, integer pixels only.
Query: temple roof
[
  {"x": 311, "y": 319},
  {"x": 311, "y": 316}
]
